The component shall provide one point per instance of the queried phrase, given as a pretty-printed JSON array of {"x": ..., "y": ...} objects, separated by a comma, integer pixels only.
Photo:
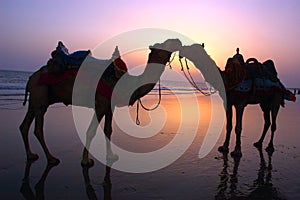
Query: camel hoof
[
  {"x": 223, "y": 149},
  {"x": 258, "y": 145},
  {"x": 270, "y": 149},
  {"x": 89, "y": 163},
  {"x": 53, "y": 161},
  {"x": 236, "y": 154},
  {"x": 32, "y": 157}
]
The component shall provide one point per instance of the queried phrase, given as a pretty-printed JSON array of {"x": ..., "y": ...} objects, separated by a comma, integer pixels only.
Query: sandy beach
[{"x": 254, "y": 176}]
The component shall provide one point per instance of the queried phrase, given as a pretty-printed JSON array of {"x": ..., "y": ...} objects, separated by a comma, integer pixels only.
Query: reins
[
  {"x": 139, "y": 102},
  {"x": 191, "y": 80}
]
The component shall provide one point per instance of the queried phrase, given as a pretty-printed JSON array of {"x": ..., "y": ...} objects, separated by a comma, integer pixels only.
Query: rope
[
  {"x": 137, "y": 120},
  {"x": 159, "y": 100},
  {"x": 139, "y": 102},
  {"x": 191, "y": 80}
]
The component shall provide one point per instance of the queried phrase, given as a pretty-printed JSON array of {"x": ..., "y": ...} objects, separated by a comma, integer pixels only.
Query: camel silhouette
[
  {"x": 225, "y": 82},
  {"x": 42, "y": 96}
]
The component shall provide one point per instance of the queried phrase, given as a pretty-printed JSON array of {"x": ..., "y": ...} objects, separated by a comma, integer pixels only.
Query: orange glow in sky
[{"x": 262, "y": 29}]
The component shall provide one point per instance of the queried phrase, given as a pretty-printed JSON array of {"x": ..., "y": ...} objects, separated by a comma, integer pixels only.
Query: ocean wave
[
  {"x": 12, "y": 87},
  {"x": 12, "y": 95}
]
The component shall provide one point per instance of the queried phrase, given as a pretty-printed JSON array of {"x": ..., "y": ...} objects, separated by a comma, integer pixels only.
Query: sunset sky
[{"x": 260, "y": 28}]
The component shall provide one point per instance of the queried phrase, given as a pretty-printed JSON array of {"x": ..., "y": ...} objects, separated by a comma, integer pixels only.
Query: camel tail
[{"x": 26, "y": 94}]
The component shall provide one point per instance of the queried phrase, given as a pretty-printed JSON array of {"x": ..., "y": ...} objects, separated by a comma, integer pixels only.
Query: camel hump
[{"x": 170, "y": 45}]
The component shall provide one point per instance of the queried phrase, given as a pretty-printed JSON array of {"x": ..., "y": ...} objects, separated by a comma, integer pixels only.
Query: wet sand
[{"x": 254, "y": 176}]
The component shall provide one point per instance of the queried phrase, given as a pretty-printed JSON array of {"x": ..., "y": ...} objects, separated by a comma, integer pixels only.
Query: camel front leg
[
  {"x": 110, "y": 156},
  {"x": 274, "y": 112},
  {"x": 39, "y": 133},
  {"x": 24, "y": 129},
  {"x": 91, "y": 132},
  {"x": 224, "y": 148},
  {"x": 238, "y": 130}
]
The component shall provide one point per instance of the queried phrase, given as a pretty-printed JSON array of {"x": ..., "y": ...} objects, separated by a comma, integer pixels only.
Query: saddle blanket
[
  {"x": 103, "y": 88},
  {"x": 260, "y": 84},
  {"x": 263, "y": 86}
]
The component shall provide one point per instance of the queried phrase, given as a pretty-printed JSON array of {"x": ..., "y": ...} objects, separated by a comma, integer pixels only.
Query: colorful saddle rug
[
  {"x": 260, "y": 84},
  {"x": 105, "y": 85},
  {"x": 263, "y": 86}
]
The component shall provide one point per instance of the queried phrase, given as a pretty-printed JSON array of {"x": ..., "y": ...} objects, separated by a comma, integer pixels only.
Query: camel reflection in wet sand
[
  {"x": 91, "y": 194},
  {"x": 262, "y": 187},
  {"x": 26, "y": 190},
  {"x": 39, "y": 188}
]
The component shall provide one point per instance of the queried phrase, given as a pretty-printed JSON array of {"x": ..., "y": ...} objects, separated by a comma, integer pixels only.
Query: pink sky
[{"x": 263, "y": 29}]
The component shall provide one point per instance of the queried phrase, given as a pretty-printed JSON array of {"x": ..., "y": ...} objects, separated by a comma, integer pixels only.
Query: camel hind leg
[
  {"x": 24, "y": 129},
  {"x": 274, "y": 113},
  {"x": 39, "y": 133},
  {"x": 266, "y": 110}
]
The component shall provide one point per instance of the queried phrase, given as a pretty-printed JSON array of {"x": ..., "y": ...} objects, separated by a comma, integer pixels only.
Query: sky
[{"x": 265, "y": 29}]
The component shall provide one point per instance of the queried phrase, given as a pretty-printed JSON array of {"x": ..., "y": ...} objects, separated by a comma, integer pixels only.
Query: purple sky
[{"x": 263, "y": 29}]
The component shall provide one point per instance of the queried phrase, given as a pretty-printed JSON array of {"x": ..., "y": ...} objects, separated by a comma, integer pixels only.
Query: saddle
[
  {"x": 61, "y": 60},
  {"x": 265, "y": 70}
]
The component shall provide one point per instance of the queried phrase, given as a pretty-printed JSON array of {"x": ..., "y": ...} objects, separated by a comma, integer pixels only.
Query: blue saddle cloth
[
  {"x": 260, "y": 84},
  {"x": 64, "y": 59}
]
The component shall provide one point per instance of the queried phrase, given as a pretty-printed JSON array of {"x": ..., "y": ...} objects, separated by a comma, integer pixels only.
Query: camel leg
[
  {"x": 238, "y": 130},
  {"x": 39, "y": 133},
  {"x": 224, "y": 148},
  {"x": 24, "y": 129},
  {"x": 274, "y": 112},
  {"x": 110, "y": 156},
  {"x": 91, "y": 132},
  {"x": 267, "y": 124}
]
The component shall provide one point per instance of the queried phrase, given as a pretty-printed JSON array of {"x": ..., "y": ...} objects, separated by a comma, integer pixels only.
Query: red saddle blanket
[
  {"x": 47, "y": 78},
  {"x": 103, "y": 88}
]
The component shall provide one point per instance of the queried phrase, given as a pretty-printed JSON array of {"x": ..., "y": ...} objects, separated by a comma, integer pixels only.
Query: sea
[{"x": 12, "y": 88}]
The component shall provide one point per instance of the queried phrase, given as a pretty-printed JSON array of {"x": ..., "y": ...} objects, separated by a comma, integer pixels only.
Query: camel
[
  {"x": 42, "y": 96},
  {"x": 269, "y": 104}
]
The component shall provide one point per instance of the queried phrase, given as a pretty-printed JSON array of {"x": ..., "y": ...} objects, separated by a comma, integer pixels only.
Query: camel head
[
  {"x": 161, "y": 52},
  {"x": 197, "y": 54},
  {"x": 158, "y": 57}
]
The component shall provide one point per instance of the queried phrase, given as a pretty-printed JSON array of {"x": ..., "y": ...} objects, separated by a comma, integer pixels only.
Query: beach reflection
[
  {"x": 91, "y": 194},
  {"x": 106, "y": 184},
  {"x": 261, "y": 188},
  {"x": 26, "y": 190}
]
